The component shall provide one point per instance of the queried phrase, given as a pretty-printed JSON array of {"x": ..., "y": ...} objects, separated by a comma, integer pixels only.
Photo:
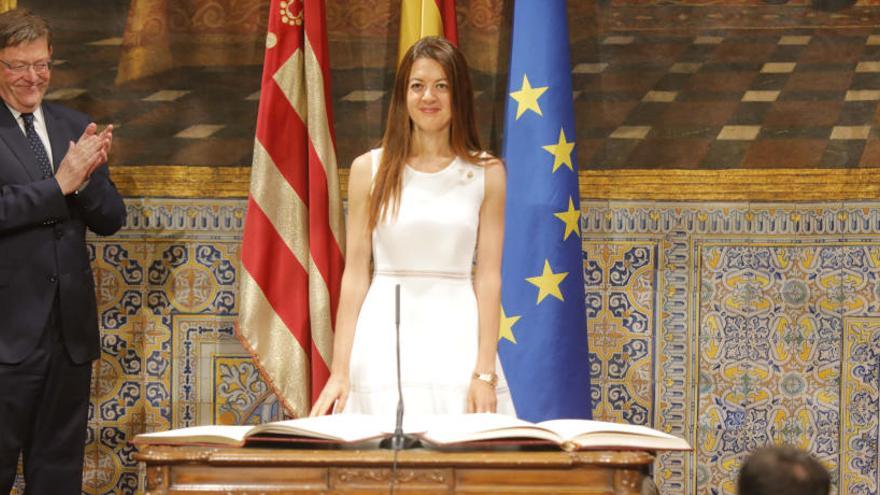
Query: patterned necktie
[{"x": 36, "y": 144}]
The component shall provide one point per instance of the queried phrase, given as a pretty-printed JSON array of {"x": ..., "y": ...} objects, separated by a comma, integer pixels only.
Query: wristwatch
[{"x": 490, "y": 378}]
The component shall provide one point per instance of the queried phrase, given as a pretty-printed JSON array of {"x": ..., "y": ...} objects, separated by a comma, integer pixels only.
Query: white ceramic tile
[
  {"x": 862, "y": 95},
  {"x": 868, "y": 66},
  {"x": 618, "y": 40},
  {"x": 631, "y": 132},
  {"x": 739, "y": 133},
  {"x": 107, "y": 42},
  {"x": 795, "y": 40},
  {"x": 199, "y": 131},
  {"x": 166, "y": 95},
  {"x": 660, "y": 96},
  {"x": 778, "y": 67},
  {"x": 850, "y": 132},
  {"x": 363, "y": 95},
  {"x": 760, "y": 96},
  {"x": 589, "y": 68},
  {"x": 65, "y": 94}
]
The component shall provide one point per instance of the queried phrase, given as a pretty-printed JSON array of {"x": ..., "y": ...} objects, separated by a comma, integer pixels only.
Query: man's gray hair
[{"x": 19, "y": 26}]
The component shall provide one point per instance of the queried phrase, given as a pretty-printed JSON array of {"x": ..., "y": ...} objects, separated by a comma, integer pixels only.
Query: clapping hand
[{"x": 83, "y": 157}]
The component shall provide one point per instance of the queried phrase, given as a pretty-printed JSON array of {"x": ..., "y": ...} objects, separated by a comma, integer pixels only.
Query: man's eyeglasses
[{"x": 21, "y": 67}]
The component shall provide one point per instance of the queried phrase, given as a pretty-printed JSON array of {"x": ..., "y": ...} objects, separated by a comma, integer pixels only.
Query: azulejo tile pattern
[
  {"x": 620, "y": 282},
  {"x": 241, "y": 397},
  {"x": 769, "y": 348},
  {"x": 731, "y": 325},
  {"x": 767, "y": 333},
  {"x": 858, "y": 415},
  {"x": 167, "y": 301}
]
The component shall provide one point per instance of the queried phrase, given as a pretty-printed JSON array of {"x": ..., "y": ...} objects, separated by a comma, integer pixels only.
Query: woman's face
[{"x": 429, "y": 96}]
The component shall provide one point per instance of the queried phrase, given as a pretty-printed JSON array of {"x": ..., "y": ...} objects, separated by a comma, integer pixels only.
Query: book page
[
  {"x": 584, "y": 433},
  {"x": 616, "y": 441},
  {"x": 569, "y": 429},
  {"x": 345, "y": 428},
  {"x": 218, "y": 434},
  {"x": 452, "y": 429}
]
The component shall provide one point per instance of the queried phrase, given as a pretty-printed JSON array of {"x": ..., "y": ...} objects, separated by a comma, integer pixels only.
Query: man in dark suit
[{"x": 53, "y": 185}]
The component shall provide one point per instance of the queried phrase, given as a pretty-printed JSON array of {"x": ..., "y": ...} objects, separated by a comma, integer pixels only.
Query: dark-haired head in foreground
[{"x": 782, "y": 470}]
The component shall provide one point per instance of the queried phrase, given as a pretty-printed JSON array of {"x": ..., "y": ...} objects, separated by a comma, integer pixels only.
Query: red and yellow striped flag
[
  {"x": 292, "y": 249},
  {"x": 420, "y": 18}
]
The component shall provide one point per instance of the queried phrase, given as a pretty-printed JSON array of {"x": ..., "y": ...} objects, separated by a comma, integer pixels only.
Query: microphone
[{"x": 398, "y": 440}]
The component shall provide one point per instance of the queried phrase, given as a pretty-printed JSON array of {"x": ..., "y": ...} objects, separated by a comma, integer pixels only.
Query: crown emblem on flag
[{"x": 292, "y": 12}]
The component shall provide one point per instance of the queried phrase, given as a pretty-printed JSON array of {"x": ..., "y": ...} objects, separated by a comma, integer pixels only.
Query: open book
[{"x": 433, "y": 431}]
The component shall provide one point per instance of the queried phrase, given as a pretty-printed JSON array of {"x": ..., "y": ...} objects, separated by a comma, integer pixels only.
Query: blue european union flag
[{"x": 543, "y": 339}]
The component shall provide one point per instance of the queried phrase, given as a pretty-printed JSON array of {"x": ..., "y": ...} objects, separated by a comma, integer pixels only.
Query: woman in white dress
[{"x": 421, "y": 208}]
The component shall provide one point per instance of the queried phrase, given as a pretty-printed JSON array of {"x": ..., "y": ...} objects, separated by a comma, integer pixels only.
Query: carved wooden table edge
[
  {"x": 163, "y": 454},
  {"x": 227, "y": 470}
]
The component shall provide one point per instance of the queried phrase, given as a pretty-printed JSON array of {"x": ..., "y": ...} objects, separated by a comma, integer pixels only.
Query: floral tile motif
[
  {"x": 754, "y": 343},
  {"x": 241, "y": 397},
  {"x": 730, "y": 325},
  {"x": 620, "y": 281},
  {"x": 771, "y": 326},
  {"x": 214, "y": 380},
  {"x": 859, "y": 411},
  {"x": 166, "y": 288},
  {"x": 192, "y": 278},
  {"x": 124, "y": 400}
]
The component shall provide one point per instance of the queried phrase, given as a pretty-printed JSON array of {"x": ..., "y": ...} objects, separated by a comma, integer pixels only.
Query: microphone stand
[{"x": 398, "y": 440}]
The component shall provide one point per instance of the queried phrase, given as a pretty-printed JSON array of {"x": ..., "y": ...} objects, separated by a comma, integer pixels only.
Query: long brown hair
[{"x": 397, "y": 141}]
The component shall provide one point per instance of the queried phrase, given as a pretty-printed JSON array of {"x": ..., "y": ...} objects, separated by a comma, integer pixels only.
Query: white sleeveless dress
[{"x": 429, "y": 250}]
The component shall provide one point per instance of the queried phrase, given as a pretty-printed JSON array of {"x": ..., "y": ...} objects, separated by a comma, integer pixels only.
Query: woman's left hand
[{"x": 481, "y": 397}]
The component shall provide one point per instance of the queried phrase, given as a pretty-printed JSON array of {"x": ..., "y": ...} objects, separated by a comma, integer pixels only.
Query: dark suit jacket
[{"x": 42, "y": 240}]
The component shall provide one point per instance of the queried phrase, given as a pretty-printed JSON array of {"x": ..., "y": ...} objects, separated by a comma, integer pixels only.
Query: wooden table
[{"x": 215, "y": 470}]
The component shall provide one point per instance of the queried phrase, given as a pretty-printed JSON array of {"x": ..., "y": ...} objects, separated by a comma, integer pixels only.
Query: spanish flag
[{"x": 420, "y": 18}]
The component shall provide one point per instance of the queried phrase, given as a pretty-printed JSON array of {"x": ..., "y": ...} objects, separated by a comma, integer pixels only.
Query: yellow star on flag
[
  {"x": 527, "y": 98},
  {"x": 507, "y": 323},
  {"x": 548, "y": 283},
  {"x": 572, "y": 219},
  {"x": 561, "y": 152}
]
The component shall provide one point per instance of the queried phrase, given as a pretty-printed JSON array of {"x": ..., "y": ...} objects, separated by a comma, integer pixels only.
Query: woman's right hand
[{"x": 333, "y": 396}]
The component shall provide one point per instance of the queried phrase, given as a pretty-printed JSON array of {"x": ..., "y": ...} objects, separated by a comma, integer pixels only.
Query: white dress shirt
[{"x": 39, "y": 125}]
